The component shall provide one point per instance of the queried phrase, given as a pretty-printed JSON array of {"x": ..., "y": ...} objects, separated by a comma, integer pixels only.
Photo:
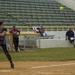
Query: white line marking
[
  {"x": 54, "y": 65},
  {"x": 53, "y": 73},
  {"x": 5, "y": 70}
]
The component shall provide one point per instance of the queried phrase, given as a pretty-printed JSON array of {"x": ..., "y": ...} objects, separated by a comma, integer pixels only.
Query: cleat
[{"x": 12, "y": 65}]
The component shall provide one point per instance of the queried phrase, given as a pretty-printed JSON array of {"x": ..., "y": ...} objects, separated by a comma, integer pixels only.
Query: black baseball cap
[{"x": 1, "y": 23}]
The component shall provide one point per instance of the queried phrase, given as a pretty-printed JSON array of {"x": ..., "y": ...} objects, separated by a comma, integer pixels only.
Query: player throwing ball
[{"x": 3, "y": 43}]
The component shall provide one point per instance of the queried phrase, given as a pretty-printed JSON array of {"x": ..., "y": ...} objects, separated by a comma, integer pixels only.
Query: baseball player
[{"x": 3, "y": 43}]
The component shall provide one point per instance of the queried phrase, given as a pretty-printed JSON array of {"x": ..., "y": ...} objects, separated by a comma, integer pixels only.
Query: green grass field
[{"x": 50, "y": 54}]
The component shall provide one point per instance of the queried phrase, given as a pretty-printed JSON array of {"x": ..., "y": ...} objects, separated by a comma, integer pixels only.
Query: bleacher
[{"x": 35, "y": 12}]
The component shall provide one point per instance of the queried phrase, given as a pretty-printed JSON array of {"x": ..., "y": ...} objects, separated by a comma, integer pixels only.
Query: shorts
[{"x": 71, "y": 40}]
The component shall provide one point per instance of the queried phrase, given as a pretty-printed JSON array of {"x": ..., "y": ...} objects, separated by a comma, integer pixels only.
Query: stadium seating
[{"x": 35, "y": 12}]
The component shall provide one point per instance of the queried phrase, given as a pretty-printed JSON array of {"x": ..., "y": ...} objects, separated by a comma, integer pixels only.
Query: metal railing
[
  {"x": 9, "y": 38},
  {"x": 47, "y": 28}
]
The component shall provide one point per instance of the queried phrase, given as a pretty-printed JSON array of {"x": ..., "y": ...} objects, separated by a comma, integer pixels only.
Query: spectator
[
  {"x": 16, "y": 34},
  {"x": 36, "y": 30},
  {"x": 70, "y": 35},
  {"x": 41, "y": 31},
  {"x": 3, "y": 43}
]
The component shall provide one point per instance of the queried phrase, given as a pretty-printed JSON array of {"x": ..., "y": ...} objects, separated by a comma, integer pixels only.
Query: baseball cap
[{"x": 1, "y": 23}]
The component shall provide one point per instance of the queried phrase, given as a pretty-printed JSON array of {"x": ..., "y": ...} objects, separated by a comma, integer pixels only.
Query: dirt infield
[{"x": 38, "y": 68}]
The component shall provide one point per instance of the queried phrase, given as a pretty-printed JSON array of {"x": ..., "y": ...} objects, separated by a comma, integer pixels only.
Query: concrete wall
[
  {"x": 57, "y": 41},
  {"x": 68, "y": 3},
  {"x": 51, "y": 43},
  {"x": 57, "y": 34}
]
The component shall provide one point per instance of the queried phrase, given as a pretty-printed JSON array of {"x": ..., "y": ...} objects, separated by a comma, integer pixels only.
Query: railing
[
  {"x": 21, "y": 34},
  {"x": 47, "y": 28}
]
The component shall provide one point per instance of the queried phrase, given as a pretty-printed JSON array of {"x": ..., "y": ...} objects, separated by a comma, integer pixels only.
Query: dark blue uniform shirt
[
  {"x": 70, "y": 34},
  {"x": 2, "y": 38}
]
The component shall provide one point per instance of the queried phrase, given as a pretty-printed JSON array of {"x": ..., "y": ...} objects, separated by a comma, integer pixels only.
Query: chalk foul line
[{"x": 54, "y": 65}]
